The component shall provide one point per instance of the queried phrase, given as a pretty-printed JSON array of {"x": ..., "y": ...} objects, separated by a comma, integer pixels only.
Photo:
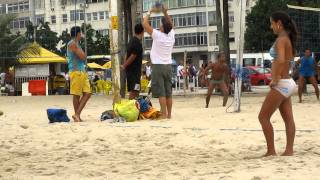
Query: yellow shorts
[{"x": 79, "y": 83}]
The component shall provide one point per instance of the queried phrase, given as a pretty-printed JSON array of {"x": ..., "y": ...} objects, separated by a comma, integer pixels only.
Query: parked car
[{"x": 259, "y": 76}]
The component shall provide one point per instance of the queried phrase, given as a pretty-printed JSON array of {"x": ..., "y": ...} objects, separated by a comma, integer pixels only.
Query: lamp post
[{"x": 84, "y": 6}]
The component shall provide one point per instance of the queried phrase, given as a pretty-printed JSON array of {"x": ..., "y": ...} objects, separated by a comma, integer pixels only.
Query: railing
[
  {"x": 20, "y": 80},
  {"x": 186, "y": 86}
]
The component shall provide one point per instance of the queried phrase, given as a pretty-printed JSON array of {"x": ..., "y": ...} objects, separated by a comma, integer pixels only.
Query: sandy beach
[{"x": 197, "y": 143}]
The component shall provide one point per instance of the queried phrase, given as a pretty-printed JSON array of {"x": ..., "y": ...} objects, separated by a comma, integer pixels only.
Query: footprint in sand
[
  {"x": 256, "y": 178},
  {"x": 83, "y": 154}
]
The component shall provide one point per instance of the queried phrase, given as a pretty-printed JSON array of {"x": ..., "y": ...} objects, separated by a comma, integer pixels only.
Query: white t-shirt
[
  {"x": 162, "y": 45},
  {"x": 180, "y": 70},
  {"x": 148, "y": 71},
  {"x": 2, "y": 77}
]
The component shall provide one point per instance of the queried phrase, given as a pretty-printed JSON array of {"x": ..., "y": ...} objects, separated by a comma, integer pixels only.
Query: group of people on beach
[{"x": 281, "y": 88}]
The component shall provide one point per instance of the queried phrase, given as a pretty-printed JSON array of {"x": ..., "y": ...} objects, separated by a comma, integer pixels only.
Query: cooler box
[{"x": 37, "y": 87}]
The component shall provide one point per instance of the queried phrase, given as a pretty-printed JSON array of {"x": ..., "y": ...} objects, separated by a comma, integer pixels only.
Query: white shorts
[{"x": 286, "y": 87}]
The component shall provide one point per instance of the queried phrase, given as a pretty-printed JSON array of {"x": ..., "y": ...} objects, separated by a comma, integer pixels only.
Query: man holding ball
[{"x": 161, "y": 58}]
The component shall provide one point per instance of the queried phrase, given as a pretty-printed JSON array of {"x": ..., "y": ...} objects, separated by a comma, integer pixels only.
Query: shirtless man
[{"x": 219, "y": 76}]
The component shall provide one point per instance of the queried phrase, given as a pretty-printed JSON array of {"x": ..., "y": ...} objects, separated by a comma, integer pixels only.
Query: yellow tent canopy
[
  {"x": 107, "y": 65},
  {"x": 95, "y": 66},
  {"x": 45, "y": 56}
]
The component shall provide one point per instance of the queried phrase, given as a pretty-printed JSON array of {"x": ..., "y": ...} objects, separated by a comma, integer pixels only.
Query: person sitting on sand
[
  {"x": 79, "y": 81},
  {"x": 220, "y": 72},
  {"x": 282, "y": 86}
]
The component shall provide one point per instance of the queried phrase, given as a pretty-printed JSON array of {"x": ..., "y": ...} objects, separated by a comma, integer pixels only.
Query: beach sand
[{"x": 197, "y": 143}]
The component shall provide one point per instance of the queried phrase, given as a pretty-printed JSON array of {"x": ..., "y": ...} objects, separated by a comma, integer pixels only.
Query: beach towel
[
  {"x": 152, "y": 113},
  {"x": 128, "y": 109},
  {"x": 57, "y": 115}
]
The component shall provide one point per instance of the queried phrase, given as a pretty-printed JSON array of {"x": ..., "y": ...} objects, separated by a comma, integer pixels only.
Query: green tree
[
  {"x": 13, "y": 45},
  {"x": 65, "y": 38},
  {"x": 97, "y": 44},
  {"x": 258, "y": 36},
  {"x": 45, "y": 37}
]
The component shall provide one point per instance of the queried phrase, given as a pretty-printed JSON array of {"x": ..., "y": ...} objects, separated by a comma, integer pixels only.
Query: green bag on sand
[{"x": 127, "y": 109}]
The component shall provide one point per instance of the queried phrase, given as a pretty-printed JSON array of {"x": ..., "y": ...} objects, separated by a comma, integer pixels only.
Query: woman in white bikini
[{"x": 282, "y": 86}]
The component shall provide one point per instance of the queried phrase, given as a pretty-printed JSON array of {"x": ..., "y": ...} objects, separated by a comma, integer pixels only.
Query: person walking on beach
[
  {"x": 281, "y": 86},
  {"x": 161, "y": 58},
  {"x": 220, "y": 72},
  {"x": 307, "y": 71},
  {"x": 133, "y": 62},
  {"x": 79, "y": 81}
]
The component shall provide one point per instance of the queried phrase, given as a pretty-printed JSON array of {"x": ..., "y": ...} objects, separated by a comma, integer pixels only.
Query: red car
[{"x": 259, "y": 76}]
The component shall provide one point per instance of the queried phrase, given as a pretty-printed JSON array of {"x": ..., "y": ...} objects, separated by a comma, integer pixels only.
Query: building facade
[
  {"x": 195, "y": 27},
  {"x": 61, "y": 14}
]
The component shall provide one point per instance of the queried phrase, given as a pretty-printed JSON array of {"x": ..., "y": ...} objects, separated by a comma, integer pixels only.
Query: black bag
[{"x": 107, "y": 115}]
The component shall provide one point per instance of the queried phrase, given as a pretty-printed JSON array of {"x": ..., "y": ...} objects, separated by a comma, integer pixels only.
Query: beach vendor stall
[{"x": 35, "y": 73}]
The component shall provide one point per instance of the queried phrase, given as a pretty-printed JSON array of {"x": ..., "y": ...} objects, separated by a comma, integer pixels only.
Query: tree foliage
[
  {"x": 45, "y": 37},
  {"x": 97, "y": 44},
  {"x": 258, "y": 36}
]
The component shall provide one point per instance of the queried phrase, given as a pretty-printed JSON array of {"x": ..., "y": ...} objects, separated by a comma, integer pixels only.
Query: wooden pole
[{"x": 115, "y": 53}]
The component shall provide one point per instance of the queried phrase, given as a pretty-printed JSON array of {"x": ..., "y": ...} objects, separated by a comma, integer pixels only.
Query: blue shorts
[{"x": 307, "y": 74}]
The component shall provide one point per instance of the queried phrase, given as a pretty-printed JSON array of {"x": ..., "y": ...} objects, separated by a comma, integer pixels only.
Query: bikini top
[{"x": 273, "y": 52}]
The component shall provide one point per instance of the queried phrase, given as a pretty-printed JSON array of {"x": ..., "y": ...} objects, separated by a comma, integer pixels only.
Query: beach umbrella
[
  {"x": 95, "y": 66},
  {"x": 144, "y": 61},
  {"x": 107, "y": 65}
]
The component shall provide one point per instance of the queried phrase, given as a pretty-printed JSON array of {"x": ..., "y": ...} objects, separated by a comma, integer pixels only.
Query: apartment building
[
  {"x": 61, "y": 14},
  {"x": 196, "y": 27}
]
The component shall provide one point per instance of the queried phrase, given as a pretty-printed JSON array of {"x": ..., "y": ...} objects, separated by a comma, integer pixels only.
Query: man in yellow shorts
[{"x": 79, "y": 81}]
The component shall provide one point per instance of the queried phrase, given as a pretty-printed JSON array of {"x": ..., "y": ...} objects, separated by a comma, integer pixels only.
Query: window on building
[
  {"x": 53, "y": 20},
  {"x": 182, "y": 3},
  {"x": 201, "y": 19},
  {"x": 103, "y": 32},
  {"x": 212, "y": 38},
  {"x": 95, "y": 16},
  {"x": 106, "y": 14},
  {"x": 217, "y": 39},
  {"x": 212, "y": 18},
  {"x": 201, "y": 2},
  {"x": 173, "y": 4},
  {"x": 101, "y": 15},
  {"x": 52, "y": 3},
  {"x": 96, "y": 1},
  {"x": 147, "y": 4},
  {"x": 39, "y": 18},
  {"x": 191, "y": 2},
  {"x": 41, "y": 4},
  {"x": 2, "y": 9},
  {"x": 202, "y": 38},
  {"x": 88, "y": 16},
  {"x": 23, "y": 6},
  {"x": 76, "y": 15},
  {"x": 19, "y": 23},
  {"x": 211, "y": 2},
  {"x": 64, "y": 18},
  {"x": 231, "y": 16},
  {"x": 231, "y": 37},
  {"x": 13, "y": 8}
]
